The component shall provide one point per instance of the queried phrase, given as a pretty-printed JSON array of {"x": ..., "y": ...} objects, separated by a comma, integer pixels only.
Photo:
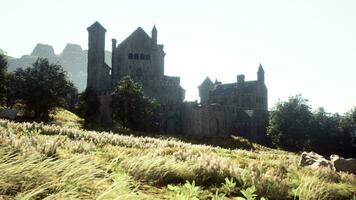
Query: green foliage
[
  {"x": 249, "y": 194},
  {"x": 41, "y": 88},
  {"x": 228, "y": 187},
  {"x": 16, "y": 86},
  {"x": 132, "y": 109},
  {"x": 289, "y": 123},
  {"x": 331, "y": 133},
  {"x": 218, "y": 196},
  {"x": 30, "y": 132},
  {"x": 293, "y": 126},
  {"x": 186, "y": 192}
]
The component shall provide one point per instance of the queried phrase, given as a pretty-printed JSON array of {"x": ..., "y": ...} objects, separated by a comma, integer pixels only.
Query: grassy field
[{"x": 40, "y": 161}]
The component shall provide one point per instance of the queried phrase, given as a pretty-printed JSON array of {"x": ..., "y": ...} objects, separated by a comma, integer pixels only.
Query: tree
[
  {"x": 350, "y": 117},
  {"x": 3, "y": 77},
  {"x": 41, "y": 88},
  {"x": 347, "y": 123},
  {"x": 132, "y": 109},
  {"x": 289, "y": 124},
  {"x": 16, "y": 87},
  {"x": 325, "y": 132}
]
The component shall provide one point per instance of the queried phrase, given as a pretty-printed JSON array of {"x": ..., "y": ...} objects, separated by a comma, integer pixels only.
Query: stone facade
[{"x": 236, "y": 108}]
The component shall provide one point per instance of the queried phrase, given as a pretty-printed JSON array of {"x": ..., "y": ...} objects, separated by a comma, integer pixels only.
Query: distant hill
[{"x": 73, "y": 59}]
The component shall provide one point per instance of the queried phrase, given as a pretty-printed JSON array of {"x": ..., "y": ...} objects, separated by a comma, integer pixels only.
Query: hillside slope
[{"x": 47, "y": 161}]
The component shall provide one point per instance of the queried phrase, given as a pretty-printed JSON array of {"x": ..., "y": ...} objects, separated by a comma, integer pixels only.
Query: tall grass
[
  {"x": 76, "y": 163},
  {"x": 27, "y": 176}
]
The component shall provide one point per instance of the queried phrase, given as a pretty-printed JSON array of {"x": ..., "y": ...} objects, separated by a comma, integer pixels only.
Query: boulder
[
  {"x": 343, "y": 165},
  {"x": 8, "y": 113},
  {"x": 314, "y": 160}
]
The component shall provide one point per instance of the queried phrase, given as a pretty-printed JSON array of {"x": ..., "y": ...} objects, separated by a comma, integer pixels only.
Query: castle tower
[
  {"x": 96, "y": 54},
  {"x": 114, "y": 70},
  {"x": 261, "y": 74},
  {"x": 204, "y": 89},
  {"x": 154, "y": 37}
]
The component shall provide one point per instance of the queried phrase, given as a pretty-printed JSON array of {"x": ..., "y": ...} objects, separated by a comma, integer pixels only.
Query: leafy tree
[
  {"x": 132, "y": 109},
  {"x": 16, "y": 87},
  {"x": 293, "y": 126},
  {"x": 3, "y": 72},
  {"x": 350, "y": 117},
  {"x": 347, "y": 123},
  {"x": 325, "y": 132},
  {"x": 289, "y": 124},
  {"x": 331, "y": 133},
  {"x": 41, "y": 88}
]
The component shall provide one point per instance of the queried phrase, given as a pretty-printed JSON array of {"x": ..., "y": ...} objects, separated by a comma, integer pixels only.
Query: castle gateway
[{"x": 238, "y": 108}]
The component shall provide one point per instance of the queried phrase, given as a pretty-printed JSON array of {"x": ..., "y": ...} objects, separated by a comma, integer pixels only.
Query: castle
[{"x": 238, "y": 108}]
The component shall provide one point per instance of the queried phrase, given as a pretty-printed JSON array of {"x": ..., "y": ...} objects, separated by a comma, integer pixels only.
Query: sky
[{"x": 306, "y": 47}]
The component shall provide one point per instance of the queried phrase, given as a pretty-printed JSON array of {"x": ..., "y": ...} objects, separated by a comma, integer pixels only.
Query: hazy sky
[{"x": 305, "y": 46}]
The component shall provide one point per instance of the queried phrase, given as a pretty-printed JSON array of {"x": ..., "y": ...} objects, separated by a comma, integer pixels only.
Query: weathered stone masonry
[{"x": 236, "y": 108}]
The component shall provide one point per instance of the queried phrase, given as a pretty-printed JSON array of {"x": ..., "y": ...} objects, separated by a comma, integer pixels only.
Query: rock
[
  {"x": 314, "y": 160},
  {"x": 8, "y": 113},
  {"x": 43, "y": 50},
  {"x": 343, "y": 165},
  {"x": 72, "y": 51}
]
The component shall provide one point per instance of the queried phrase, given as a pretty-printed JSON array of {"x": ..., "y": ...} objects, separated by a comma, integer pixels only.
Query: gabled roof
[
  {"x": 139, "y": 32},
  {"x": 96, "y": 26},
  {"x": 206, "y": 82}
]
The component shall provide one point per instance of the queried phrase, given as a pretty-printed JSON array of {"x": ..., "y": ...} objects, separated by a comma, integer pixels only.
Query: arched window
[
  {"x": 130, "y": 56},
  {"x": 142, "y": 56},
  {"x": 139, "y": 73},
  {"x": 136, "y": 56},
  {"x": 148, "y": 57}
]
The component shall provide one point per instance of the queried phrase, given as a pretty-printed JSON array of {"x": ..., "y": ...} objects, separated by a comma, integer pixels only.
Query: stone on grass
[
  {"x": 314, "y": 160},
  {"x": 343, "y": 165}
]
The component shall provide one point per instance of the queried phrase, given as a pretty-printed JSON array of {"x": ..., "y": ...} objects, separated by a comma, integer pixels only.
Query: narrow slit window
[
  {"x": 142, "y": 56},
  {"x": 130, "y": 56}
]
